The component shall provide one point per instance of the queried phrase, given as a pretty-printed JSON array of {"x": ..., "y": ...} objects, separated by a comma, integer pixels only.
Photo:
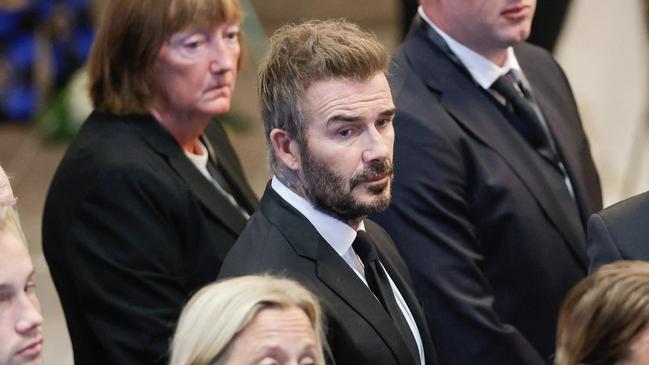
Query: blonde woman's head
[{"x": 250, "y": 318}]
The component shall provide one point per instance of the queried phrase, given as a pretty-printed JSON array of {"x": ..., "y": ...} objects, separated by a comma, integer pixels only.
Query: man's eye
[
  {"x": 29, "y": 288},
  {"x": 381, "y": 123},
  {"x": 345, "y": 132}
]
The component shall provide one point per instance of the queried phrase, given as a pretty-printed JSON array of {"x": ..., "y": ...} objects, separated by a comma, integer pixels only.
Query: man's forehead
[{"x": 346, "y": 95}]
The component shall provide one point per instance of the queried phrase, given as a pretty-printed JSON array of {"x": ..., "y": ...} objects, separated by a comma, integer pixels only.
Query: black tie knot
[
  {"x": 504, "y": 85},
  {"x": 364, "y": 247}
]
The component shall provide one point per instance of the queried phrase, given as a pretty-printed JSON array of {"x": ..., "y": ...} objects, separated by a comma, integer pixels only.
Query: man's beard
[{"x": 332, "y": 195}]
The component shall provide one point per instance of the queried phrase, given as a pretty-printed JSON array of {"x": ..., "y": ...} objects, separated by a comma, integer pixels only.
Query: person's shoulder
[
  {"x": 533, "y": 57},
  {"x": 633, "y": 209}
]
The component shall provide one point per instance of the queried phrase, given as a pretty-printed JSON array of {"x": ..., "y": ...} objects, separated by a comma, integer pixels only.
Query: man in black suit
[
  {"x": 493, "y": 181},
  {"x": 619, "y": 232},
  {"x": 327, "y": 110}
]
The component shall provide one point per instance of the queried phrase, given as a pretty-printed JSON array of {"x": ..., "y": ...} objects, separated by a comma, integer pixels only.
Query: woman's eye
[
  {"x": 307, "y": 361},
  {"x": 29, "y": 288},
  {"x": 193, "y": 45}
]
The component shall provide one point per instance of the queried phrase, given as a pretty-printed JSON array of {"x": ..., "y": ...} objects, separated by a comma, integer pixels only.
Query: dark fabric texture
[
  {"x": 478, "y": 214},
  {"x": 379, "y": 284},
  {"x": 620, "y": 232},
  {"x": 279, "y": 240},
  {"x": 131, "y": 229}
]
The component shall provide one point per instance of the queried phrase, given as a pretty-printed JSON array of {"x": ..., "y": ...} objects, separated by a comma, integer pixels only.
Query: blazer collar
[
  {"x": 333, "y": 271},
  {"x": 471, "y": 107},
  {"x": 163, "y": 143}
]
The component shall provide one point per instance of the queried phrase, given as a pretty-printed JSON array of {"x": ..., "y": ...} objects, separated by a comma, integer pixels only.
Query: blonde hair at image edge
[
  {"x": 9, "y": 221},
  {"x": 217, "y": 313}
]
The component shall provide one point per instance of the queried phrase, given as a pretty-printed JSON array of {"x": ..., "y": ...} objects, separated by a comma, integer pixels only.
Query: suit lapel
[
  {"x": 407, "y": 293},
  {"x": 161, "y": 141},
  {"x": 333, "y": 271},
  {"x": 220, "y": 149},
  {"x": 567, "y": 143},
  {"x": 471, "y": 107}
]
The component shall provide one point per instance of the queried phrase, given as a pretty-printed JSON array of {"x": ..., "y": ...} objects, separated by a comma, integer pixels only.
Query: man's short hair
[
  {"x": 121, "y": 65},
  {"x": 302, "y": 54},
  {"x": 603, "y": 314}
]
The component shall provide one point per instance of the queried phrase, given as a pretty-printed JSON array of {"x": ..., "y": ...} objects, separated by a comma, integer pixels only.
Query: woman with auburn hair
[
  {"x": 250, "y": 320},
  {"x": 604, "y": 319},
  {"x": 21, "y": 340},
  {"x": 150, "y": 196}
]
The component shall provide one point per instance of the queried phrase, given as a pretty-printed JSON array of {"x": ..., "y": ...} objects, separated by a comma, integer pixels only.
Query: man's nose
[
  {"x": 30, "y": 316},
  {"x": 376, "y": 146}
]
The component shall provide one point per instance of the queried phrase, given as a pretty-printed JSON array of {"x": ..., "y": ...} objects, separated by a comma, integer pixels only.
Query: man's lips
[
  {"x": 33, "y": 348},
  {"x": 376, "y": 179},
  {"x": 517, "y": 12}
]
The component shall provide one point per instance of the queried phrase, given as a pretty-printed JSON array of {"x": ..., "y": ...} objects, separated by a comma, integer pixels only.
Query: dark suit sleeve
[
  {"x": 433, "y": 226},
  {"x": 127, "y": 259},
  {"x": 602, "y": 248}
]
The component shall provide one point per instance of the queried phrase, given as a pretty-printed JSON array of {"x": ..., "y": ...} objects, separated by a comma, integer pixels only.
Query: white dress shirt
[{"x": 340, "y": 237}]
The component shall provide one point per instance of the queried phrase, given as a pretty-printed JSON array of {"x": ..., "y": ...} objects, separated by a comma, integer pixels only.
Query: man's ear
[{"x": 286, "y": 149}]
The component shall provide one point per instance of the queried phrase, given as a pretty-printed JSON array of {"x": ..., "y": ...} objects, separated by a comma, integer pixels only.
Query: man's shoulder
[
  {"x": 262, "y": 247},
  {"x": 631, "y": 213}
]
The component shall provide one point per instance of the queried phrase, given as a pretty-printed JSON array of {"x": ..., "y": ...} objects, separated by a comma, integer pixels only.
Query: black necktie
[
  {"x": 531, "y": 125},
  {"x": 377, "y": 280}
]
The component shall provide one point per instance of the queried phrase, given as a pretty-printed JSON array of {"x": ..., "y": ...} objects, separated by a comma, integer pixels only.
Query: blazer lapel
[
  {"x": 161, "y": 141},
  {"x": 470, "y": 106},
  {"x": 333, "y": 271},
  {"x": 409, "y": 296},
  {"x": 568, "y": 144},
  {"x": 221, "y": 151}
]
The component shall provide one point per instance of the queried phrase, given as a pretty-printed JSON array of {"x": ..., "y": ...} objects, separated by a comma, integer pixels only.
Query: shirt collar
[
  {"x": 483, "y": 71},
  {"x": 337, "y": 233}
]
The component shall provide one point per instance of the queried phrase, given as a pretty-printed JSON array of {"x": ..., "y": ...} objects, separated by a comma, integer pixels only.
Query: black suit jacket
[
  {"x": 620, "y": 232},
  {"x": 280, "y": 240},
  {"x": 130, "y": 230},
  {"x": 477, "y": 214}
]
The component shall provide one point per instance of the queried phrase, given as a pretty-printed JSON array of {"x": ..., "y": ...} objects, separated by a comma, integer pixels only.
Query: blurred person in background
[
  {"x": 21, "y": 338},
  {"x": 150, "y": 195},
  {"x": 250, "y": 320},
  {"x": 604, "y": 319}
]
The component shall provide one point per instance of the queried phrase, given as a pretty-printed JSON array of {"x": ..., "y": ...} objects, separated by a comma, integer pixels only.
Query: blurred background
[{"x": 602, "y": 45}]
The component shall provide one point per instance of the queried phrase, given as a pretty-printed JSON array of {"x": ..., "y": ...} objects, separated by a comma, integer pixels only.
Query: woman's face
[
  {"x": 196, "y": 71},
  {"x": 21, "y": 340},
  {"x": 275, "y": 337}
]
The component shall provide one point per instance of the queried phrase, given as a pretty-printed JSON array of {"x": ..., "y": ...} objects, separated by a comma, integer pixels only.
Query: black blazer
[
  {"x": 130, "y": 230},
  {"x": 620, "y": 232},
  {"x": 477, "y": 214},
  {"x": 280, "y": 240}
]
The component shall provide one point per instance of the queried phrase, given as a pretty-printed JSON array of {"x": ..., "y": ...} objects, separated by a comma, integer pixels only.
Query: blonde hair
[
  {"x": 603, "y": 314},
  {"x": 302, "y": 54},
  {"x": 9, "y": 220},
  {"x": 217, "y": 313},
  {"x": 129, "y": 37}
]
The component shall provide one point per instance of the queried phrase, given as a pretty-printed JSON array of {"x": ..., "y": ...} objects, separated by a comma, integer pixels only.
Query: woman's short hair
[
  {"x": 603, "y": 314},
  {"x": 217, "y": 313},
  {"x": 9, "y": 221},
  {"x": 129, "y": 37}
]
